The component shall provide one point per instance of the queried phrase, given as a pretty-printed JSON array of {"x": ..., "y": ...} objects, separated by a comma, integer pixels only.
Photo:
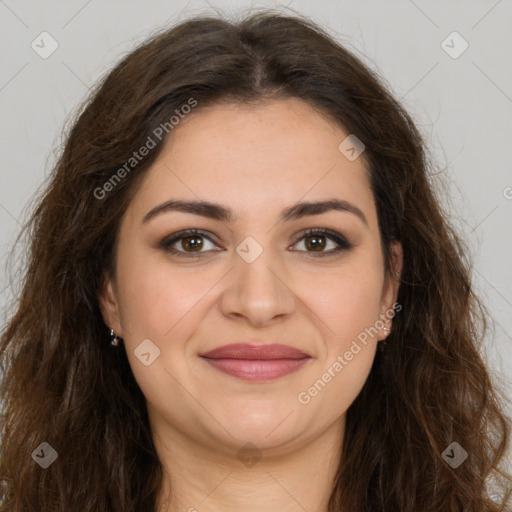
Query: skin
[{"x": 256, "y": 161}]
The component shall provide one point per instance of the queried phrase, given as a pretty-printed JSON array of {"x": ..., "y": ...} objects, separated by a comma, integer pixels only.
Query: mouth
[{"x": 256, "y": 362}]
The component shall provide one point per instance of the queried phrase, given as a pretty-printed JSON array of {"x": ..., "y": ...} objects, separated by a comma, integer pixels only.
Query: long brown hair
[{"x": 63, "y": 384}]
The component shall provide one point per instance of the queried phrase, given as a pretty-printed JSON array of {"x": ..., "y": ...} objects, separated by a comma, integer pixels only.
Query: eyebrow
[{"x": 221, "y": 213}]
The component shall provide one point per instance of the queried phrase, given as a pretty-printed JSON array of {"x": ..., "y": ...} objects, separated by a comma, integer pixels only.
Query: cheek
[
  {"x": 351, "y": 308},
  {"x": 166, "y": 305},
  {"x": 163, "y": 305},
  {"x": 348, "y": 299},
  {"x": 331, "y": 393},
  {"x": 348, "y": 304},
  {"x": 154, "y": 296}
]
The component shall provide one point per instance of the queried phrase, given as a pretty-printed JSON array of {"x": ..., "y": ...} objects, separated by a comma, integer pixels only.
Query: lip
[
  {"x": 256, "y": 362},
  {"x": 252, "y": 351}
]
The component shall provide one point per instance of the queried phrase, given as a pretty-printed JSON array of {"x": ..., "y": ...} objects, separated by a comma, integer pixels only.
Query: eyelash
[{"x": 342, "y": 242}]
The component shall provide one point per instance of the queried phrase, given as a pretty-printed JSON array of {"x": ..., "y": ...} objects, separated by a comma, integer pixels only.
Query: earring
[
  {"x": 115, "y": 340},
  {"x": 382, "y": 344}
]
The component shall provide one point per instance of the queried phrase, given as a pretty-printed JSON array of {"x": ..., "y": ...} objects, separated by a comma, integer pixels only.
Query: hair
[{"x": 65, "y": 385}]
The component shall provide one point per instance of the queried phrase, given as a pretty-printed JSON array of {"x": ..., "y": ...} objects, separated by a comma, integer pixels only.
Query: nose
[{"x": 258, "y": 292}]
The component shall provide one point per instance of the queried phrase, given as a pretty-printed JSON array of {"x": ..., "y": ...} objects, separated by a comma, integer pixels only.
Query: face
[{"x": 254, "y": 277}]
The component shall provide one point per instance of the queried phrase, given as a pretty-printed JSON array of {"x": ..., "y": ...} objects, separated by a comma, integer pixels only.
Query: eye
[
  {"x": 191, "y": 242},
  {"x": 315, "y": 239}
]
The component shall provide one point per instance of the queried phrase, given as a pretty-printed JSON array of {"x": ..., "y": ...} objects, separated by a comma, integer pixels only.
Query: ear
[
  {"x": 391, "y": 285},
  {"x": 108, "y": 303}
]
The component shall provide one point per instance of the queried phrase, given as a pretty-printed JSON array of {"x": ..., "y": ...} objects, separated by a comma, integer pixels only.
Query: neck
[{"x": 201, "y": 478}]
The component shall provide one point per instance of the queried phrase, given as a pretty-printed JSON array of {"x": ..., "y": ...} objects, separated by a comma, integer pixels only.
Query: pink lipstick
[{"x": 256, "y": 362}]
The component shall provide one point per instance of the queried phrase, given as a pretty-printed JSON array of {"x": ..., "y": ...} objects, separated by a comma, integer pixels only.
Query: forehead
[{"x": 255, "y": 159}]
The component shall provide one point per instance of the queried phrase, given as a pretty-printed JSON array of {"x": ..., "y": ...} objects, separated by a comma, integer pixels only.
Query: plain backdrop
[{"x": 456, "y": 86}]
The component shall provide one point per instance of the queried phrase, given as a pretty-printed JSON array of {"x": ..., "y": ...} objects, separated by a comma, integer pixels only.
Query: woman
[{"x": 243, "y": 293}]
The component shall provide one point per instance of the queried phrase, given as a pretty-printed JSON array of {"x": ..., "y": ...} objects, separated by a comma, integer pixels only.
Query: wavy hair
[{"x": 64, "y": 385}]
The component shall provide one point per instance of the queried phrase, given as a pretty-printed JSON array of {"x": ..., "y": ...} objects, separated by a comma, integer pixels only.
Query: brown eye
[
  {"x": 192, "y": 243},
  {"x": 316, "y": 240}
]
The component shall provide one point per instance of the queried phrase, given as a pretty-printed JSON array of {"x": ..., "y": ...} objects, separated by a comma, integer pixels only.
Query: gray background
[{"x": 462, "y": 106}]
